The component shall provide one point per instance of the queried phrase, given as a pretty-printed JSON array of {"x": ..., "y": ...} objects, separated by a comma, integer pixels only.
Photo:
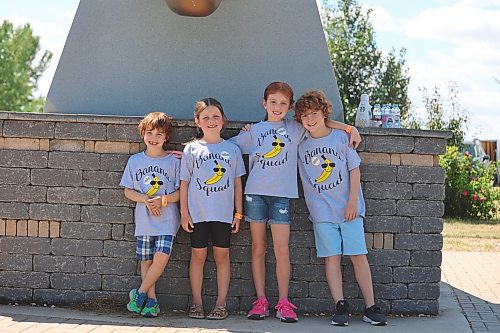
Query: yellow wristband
[
  {"x": 348, "y": 129},
  {"x": 239, "y": 216},
  {"x": 164, "y": 200}
]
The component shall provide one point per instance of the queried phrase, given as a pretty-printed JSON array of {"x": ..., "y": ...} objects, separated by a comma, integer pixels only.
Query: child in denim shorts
[
  {"x": 151, "y": 179},
  {"x": 329, "y": 170},
  {"x": 272, "y": 180}
]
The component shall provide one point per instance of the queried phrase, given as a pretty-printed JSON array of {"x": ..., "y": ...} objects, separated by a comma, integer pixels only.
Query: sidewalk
[
  {"x": 475, "y": 277},
  {"x": 28, "y": 319},
  {"x": 476, "y": 285}
]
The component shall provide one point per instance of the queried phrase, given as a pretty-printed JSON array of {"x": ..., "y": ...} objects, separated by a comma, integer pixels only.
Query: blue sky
[{"x": 446, "y": 40}]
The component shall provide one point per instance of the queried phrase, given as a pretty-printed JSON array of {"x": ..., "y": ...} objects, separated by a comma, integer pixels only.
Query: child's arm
[
  {"x": 354, "y": 138},
  {"x": 186, "y": 222},
  {"x": 157, "y": 201},
  {"x": 238, "y": 204},
  {"x": 351, "y": 209},
  {"x": 142, "y": 198}
]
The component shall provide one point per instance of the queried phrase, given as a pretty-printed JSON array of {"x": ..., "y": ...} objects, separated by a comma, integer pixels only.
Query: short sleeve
[
  {"x": 127, "y": 178},
  {"x": 240, "y": 165},
  {"x": 186, "y": 170},
  {"x": 177, "y": 173},
  {"x": 297, "y": 129},
  {"x": 243, "y": 140},
  {"x": 352, "y": 157}
]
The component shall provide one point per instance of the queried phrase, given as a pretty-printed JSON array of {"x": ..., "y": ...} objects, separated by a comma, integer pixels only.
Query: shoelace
[
  {"x": 260, "y": 303},
  {"x": 285, "y": 306}
]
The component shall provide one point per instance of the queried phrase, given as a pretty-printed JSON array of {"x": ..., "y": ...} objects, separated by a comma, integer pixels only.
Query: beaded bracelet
[{"x": 239, "y": 216}]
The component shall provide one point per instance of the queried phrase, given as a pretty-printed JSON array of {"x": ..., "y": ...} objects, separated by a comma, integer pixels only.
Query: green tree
[
  {"x": 359, "y": 65},
  {"x": 442, "y": 114},
  {"x": 20, "y": 68}
]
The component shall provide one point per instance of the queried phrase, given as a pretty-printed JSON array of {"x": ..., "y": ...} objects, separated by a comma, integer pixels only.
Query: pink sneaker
[
  {"x": 260, "y": 309},
  {"x": 285, "y": 311}
]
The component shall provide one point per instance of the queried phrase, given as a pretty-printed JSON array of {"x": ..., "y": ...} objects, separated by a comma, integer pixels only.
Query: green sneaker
[
  {"x": 151, "y": 309},
  {"x": 137, "y": 301}
]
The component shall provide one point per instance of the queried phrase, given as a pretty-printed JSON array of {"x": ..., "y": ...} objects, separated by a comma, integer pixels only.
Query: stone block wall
[{"x": 67, "y": 231}]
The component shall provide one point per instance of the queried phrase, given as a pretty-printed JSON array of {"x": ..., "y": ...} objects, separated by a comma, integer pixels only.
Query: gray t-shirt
[
  {"x": 324, "y": 165},
  {"x": 154, "y": 176},
  {"x": 272, "y": 155},
  {"x": 210, "y": 170}
]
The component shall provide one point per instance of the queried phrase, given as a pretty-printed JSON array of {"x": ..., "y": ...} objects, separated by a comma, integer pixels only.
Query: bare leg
[
  {"x": 281, "y": 235},
  {"x": 334, "y": 277},
  {"x": 222, "y": 261},
  {"x": 364, "y": 277},
  {"x": 198, "y": 257},
  {"x": 151, "y": 272},
  {"x": 258, "y": 233}
]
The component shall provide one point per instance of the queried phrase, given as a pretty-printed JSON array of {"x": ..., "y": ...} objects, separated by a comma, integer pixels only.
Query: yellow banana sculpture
[
  {"x": 219, "y": 172},
  {"x": 156, "y": 182},
  {"x": 327, "y": 170},
  {"x": 277, "y": 146}
]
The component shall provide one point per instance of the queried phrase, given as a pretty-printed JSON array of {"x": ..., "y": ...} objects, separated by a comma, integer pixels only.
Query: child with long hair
[
  {"x": 211, "y": 202},
  {"x": 272, "y": 181}
]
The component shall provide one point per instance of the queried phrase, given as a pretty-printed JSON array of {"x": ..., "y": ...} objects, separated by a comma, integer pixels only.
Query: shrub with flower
[{"x": 469, "y": 186}]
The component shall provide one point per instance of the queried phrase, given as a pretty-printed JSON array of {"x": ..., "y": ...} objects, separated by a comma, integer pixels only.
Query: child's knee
[
  {"x": 359, "y": 259},
  {"x": 333, "y": 260},
  {"x": 199, "y": 255},
  {"x": 221, "y": 255}
]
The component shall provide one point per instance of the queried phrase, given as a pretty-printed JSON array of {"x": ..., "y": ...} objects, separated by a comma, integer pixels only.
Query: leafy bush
[{"x": 469, "y": 186}]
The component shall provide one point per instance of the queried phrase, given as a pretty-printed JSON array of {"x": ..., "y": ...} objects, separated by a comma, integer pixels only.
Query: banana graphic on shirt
[
  {"x": 219, "y": 172},
  {"x": 156, "y": 183},
  {"x": 327, "y": 170},
  {"x": 277, "y": 146}
]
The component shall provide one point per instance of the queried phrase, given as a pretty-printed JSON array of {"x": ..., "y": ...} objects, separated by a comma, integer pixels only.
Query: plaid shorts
[{"x": 147, "y": 246}]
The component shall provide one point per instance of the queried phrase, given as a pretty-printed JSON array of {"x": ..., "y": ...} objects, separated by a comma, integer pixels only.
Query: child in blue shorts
[
  {"x": 151, "y": 179},
  {"x": 329, "y": 170}
]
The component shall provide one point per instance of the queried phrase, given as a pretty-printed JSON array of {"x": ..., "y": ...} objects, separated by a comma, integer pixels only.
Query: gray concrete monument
[{"x": 130, "y": 57}]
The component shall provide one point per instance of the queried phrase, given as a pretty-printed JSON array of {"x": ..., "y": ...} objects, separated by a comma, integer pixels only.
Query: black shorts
[{"x": 218, "y": 232}]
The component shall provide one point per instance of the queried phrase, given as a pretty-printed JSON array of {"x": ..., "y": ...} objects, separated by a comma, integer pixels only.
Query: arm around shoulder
[{"x": 354, "y": 137}]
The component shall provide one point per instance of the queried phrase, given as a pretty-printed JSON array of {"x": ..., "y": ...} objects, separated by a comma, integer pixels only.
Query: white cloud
[
  {"x": 456, "y": 24},
  {"x": 383, "y": 20}
]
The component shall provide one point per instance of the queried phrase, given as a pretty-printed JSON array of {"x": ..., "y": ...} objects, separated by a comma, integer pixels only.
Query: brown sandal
[
  {"x": 218, "y": 313},
  {"x": 196, "y": 312}
]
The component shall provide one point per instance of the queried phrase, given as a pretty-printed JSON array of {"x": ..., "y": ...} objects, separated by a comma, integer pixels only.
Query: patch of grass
[{"x": 471, "y": 235}]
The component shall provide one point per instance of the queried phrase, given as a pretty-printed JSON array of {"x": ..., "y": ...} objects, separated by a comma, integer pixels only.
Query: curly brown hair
[
  {"x": 312, "y": 100},
  {"x": 155, "y": 120}
]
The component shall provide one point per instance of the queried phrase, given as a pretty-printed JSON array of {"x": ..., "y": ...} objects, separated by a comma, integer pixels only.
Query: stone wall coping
[{"x": 132, "y": 120}]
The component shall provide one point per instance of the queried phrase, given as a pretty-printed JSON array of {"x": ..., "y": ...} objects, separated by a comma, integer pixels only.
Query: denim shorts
[
  {"x": 264, "y": 208},
  {"x": 347, "y": 238},
  {"x": 147, "y": 246}
]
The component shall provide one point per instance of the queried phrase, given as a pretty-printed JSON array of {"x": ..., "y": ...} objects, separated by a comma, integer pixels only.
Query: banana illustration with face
[
  {"x": 327, "y": 170},
  {"x": 277, "y": 146},
  {"x": 155, "y": 185},
  {"x": 219, "y": 172}
]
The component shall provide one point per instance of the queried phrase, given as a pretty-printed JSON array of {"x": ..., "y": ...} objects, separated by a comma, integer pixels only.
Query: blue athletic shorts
[
  {"x": 347, "y": 238},
  {"x": 264, "y": 208},
  {"x": 147, "y": 246}
]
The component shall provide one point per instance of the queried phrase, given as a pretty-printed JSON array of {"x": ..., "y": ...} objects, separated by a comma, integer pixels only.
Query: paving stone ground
[{"x": 475, "y": 279}]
